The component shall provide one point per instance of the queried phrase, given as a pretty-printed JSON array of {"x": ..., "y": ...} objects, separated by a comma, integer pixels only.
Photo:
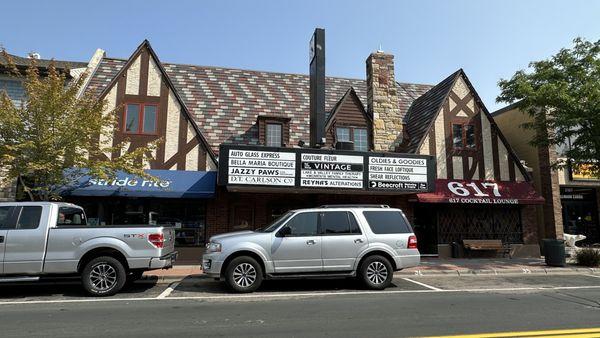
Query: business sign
[
  {"x": 166, "y": 184},
  {"x": 583, "y": 172},
  {"x": 331, "y": 170},
  {"x": 305, "y": 169},
  {"x": 481, "y": 192},
  {"x": 397, "y": 173},
  {"x": 253, "y": 167}
]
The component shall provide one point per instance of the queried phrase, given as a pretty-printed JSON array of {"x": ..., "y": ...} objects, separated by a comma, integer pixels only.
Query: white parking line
[
  {"x": 423, "y": 284},
  {"x": 168, "y": 291},
  {"x": 296, "y": 294},
  {"x": 596, "y": 276}
]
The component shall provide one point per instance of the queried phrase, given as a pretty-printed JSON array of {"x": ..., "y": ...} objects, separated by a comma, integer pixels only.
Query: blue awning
[{"x": 172, "y": 184}]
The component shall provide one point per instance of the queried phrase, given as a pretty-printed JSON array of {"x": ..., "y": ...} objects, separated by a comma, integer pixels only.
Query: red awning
[{"x": 481, "y": 192}]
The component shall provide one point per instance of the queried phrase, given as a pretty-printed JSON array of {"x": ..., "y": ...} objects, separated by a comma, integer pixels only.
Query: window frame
[
  {"x": 141, "y": 113},
  {"x": 351, "y": 131},
  {"x": 463, "y": 131},
  {"x": 11, "y": 219},
  {"x": 17, "y": 217},
  {"x": 298, "y": 214},
  {"x": 348, "y": 215},
  {"x": 281, "y": 126}
]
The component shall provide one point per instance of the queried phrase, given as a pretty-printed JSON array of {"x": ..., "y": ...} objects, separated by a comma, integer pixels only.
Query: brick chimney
[{"x": 382, "y": 102}]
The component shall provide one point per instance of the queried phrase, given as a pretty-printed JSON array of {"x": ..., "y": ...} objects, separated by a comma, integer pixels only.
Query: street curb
[
  {"x": 429, "y": 273},
  {"x": 496, "y": 272}
]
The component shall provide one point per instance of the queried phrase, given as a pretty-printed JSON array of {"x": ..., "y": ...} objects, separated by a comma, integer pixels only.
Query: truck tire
[
  {"x": 244, "y": 274},
  {"x": 376, "y": 272},
  {"x": 103, "y": 276}
]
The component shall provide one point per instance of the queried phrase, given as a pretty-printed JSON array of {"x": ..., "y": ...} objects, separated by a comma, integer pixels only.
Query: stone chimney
[{"x": 382, "y": 102}]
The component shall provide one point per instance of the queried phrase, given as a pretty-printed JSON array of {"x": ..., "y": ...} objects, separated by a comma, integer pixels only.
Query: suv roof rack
[{"x": 354, "y": 206}]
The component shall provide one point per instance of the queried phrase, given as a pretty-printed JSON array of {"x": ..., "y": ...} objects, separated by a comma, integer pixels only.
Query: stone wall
[{"x": 382, "y": 102}]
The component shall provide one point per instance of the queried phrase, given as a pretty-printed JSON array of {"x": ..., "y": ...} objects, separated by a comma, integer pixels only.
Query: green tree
[
  {"x": 56, "y": 131},
  {"x": 562, "y": 94}
]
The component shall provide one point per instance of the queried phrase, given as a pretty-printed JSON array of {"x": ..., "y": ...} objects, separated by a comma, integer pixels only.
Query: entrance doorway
[{"x": 425, "y": 227}]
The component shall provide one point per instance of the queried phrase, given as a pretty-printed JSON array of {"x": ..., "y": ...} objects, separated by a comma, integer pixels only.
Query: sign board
[
  {"x": 481, "y": 192},
  {"x": 582, "y": 172},
  {"x": 307, "y": 169}
]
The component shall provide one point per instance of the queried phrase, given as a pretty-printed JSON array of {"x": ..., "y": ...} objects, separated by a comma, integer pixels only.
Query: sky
[{"x": 430, "y": 39}]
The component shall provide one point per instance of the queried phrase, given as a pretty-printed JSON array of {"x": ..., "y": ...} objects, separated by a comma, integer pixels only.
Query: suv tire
[
  {"x": 376, "y": 272},
  {"x": 103, "y": 276},
  {"x": 244, "y": 274}
]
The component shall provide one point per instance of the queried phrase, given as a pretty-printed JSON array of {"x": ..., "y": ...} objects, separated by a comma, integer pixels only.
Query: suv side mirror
[{"x": 285, "y": 231}]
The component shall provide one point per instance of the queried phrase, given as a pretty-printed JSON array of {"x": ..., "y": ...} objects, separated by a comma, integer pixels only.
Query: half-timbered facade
[{"x": 482, "y": 189}]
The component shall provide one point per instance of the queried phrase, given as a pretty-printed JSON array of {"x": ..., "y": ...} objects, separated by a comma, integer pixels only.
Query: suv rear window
[
  {"x": 387, "y": 222},
  {"x": 338, "y": 223}
]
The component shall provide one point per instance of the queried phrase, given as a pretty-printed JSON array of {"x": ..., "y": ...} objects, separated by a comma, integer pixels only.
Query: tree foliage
[
  {"x": 562, "y": 94},
  {"x": 55, "y": 130}
]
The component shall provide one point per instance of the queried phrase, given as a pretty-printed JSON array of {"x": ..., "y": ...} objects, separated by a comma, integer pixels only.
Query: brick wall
[
  {"x": 529, "y": 223},
  {"x": 224, "y": 213},
  {"x": 550, "y": 190}
]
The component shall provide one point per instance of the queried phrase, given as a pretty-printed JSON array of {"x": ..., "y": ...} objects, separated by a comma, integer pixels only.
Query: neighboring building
[
  {"x": 572, "y": 199},
  {"x": 13, "y": 86},
  {"x": 482, "y": 191}
]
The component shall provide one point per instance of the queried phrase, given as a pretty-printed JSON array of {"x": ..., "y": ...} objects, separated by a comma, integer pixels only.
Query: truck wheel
[
  {"x": 244, "y": 274},
  {"x": 103, "y": 276},
  {"x": 376, "y": 272}
]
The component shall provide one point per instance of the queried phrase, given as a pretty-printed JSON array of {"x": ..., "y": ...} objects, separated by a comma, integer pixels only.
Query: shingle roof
[
  {"x": 225, "y": 102},
  {"x": 43, "y": 63},
  {"x": 423, "y": 111}
]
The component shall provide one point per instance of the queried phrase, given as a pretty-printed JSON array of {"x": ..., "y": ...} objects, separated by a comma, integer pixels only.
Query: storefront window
[{"x": 187, "y": 216}]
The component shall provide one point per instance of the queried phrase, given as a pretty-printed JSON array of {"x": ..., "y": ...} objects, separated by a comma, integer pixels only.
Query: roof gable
[
  {"x": 424, "y": 110},
  {"x": 145, "y": 45},
  {"x": 226, "y": 102},
  {"x": 349, "y": 95}
]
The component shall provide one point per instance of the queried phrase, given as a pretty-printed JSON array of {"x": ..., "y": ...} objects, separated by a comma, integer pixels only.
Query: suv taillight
[
  {"x": 412, "y": 242},
  {"x": 158, "y": 240}
]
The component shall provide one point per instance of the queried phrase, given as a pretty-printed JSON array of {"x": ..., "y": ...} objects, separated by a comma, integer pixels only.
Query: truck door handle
[
  {"x": 358, "y": 240},
  {"x": 310, "y": 242},
  {"x": 1, "y": 239}
]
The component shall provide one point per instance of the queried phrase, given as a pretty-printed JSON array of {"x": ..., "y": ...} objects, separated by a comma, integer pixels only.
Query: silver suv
[{"x": 368, "y": 242}]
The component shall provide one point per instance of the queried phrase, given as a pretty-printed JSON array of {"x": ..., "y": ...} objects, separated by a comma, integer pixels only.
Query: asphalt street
[{"x": 415, "y": 306}]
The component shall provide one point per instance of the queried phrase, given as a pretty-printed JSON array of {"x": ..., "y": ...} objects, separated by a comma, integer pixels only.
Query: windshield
[{"x": 276, "y": 223}]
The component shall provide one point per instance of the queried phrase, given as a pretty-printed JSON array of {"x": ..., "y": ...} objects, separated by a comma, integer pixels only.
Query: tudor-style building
[{"x": 482, "y": 190}]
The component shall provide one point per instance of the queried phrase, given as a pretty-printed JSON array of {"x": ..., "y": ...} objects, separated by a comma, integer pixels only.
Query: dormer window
[
  {"x": 273, "y": 131},
  {"x": 353, "y": 134},
  {"x": 274, "y": 135}
]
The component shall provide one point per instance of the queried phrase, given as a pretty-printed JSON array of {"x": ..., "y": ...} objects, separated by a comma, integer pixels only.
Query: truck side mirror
[{"x": 285, "y": 231}]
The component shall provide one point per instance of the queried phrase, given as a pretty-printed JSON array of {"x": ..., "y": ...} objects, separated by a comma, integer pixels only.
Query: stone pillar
[{"x": 382, "y": 102}]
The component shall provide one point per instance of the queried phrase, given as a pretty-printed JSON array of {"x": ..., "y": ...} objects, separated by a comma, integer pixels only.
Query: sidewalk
[{"x": 429, "y": 267}]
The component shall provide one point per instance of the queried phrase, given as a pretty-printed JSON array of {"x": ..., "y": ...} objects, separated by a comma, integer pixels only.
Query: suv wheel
[
  {"x": 244, "y": 274},
  {"x": 103, "y": 276},
  {"x": 376, "y": 272}
]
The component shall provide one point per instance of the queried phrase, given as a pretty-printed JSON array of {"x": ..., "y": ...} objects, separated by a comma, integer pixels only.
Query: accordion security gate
[{"x": 456, "y": 223}]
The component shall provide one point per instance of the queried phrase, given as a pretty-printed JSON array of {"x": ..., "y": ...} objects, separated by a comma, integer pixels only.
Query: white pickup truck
[{"x": 39, "y": 239}]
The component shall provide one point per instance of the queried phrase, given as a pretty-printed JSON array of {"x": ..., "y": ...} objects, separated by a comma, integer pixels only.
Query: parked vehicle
[
  {"x": 331, "y": 241},
  {"x": 39, "y": 239}
]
